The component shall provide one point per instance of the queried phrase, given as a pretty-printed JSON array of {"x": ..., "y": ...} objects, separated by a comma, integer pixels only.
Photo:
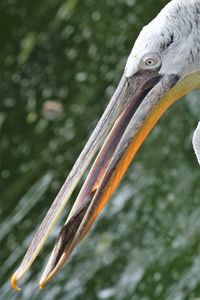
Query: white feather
[
  {"x": 196, "y": 142},
  {"x": 175, "y": 35}
]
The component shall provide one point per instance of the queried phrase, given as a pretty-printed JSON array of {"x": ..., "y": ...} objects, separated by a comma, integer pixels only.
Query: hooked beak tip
[{"x": 13, "y": 282}]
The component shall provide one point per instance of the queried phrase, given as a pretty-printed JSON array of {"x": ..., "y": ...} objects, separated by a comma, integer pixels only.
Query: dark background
[{"x": 145, "y": 244}]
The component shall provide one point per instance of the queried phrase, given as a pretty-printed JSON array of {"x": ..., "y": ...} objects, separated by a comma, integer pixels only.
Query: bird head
[{"x": 171, "y": 40}]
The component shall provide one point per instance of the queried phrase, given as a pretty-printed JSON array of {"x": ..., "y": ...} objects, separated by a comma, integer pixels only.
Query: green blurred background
[{"x": 146, "y": 243}]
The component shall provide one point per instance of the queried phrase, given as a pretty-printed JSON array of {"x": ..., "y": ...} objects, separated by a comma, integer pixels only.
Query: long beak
[{"x": 134, "y": 109}]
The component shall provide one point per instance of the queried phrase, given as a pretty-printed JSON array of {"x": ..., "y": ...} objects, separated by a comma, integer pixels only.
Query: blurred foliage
[{"x": 72, "y": 52}]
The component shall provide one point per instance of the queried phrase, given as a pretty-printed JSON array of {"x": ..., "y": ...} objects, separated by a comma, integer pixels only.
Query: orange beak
[{"x": 136, "y": 106}]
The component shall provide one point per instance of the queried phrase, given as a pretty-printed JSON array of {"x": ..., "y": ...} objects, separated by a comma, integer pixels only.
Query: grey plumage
[{"x": 175, "y": 35}]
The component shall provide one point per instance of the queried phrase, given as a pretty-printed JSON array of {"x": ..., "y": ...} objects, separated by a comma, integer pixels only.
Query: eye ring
[{"x": 150, "y": 61}]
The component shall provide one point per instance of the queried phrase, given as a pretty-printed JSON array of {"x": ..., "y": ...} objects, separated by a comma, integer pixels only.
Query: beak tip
[
  {"x": 13, "y": 282},
  {"x": 41, "y": 285},
  {"x": 43, "y": 282}
]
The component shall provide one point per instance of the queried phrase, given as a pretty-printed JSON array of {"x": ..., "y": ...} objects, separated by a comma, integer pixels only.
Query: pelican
[{"x": 163, "y": 66}]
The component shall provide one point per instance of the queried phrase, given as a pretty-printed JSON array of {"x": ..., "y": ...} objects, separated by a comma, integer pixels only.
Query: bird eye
[{"x": 150, "y": 61}]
